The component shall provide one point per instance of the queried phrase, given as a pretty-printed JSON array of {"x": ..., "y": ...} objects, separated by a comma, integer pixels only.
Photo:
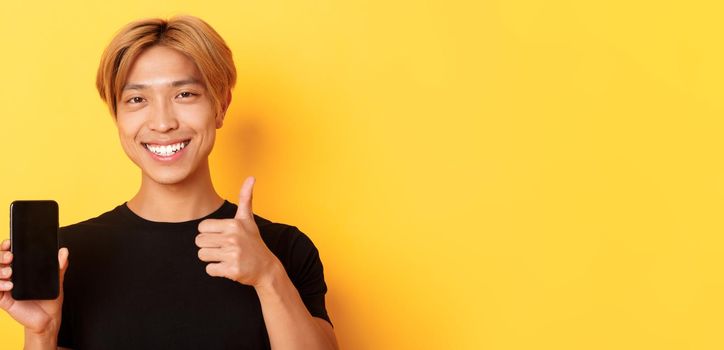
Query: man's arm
[
  {"x": 235, "y": 250},
  {"x": 35, "y": 341},
  {"x": 288, "y": 322}
]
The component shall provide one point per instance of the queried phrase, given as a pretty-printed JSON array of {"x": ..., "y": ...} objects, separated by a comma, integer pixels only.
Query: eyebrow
[{"x": 177, "y": 83}]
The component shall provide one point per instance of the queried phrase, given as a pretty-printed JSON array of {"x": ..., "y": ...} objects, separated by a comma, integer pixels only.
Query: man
[{"x": 176, "y": 266}]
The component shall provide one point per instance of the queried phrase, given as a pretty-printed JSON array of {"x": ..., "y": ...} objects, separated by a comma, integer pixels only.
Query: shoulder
[
  {"x": 281, "y": 238},
  {"x": 297, "y": 253},
  {"x": 292, "y": 246},
  {"x": 279, "y": 234},
  {"x": 107, "y": 219}
]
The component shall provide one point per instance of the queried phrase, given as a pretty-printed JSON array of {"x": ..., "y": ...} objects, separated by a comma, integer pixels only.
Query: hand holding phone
[
  {"x": 37, "y": 316},
  {"x": 34, "y": 244}
]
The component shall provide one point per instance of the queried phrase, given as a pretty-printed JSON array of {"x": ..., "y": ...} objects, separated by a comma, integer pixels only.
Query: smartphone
[{"x": 34, "y": 244}]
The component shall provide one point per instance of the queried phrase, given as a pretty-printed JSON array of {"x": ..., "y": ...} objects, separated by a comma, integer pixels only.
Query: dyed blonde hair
[{"x": 187, "y": 34}]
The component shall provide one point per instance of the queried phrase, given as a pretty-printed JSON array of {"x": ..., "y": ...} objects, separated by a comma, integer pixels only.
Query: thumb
[
  {"x": 63, "y": 254},
  {"x": 244, "y": 211}
]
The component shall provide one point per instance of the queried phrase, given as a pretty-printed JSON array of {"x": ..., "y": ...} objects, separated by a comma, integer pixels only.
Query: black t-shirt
[{"x": 138, "y": 284}]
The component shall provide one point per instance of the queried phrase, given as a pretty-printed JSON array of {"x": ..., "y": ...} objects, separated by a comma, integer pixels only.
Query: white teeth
[{"x": 166, "y": 150}]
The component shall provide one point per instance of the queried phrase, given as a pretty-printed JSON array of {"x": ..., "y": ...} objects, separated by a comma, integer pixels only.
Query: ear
[{"x": 220, "y": 117}]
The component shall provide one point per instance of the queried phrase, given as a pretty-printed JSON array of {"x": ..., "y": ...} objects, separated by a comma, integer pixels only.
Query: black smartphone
[{"x": 34, "y": 244}]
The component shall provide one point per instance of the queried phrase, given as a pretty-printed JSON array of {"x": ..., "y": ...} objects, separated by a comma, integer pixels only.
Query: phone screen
[{"x": 34, "y": 243}]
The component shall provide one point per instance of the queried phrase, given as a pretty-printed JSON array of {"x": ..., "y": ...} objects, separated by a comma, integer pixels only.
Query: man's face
[{"x": 165, "y": 117}]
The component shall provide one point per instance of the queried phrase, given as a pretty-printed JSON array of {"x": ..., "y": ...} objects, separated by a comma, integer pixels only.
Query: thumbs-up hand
[{"x": 234, "y": 248}]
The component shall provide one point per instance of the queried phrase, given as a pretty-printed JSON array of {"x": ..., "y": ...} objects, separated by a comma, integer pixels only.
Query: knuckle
[
  {"x": 6, "y": 285},
  {"x": 236, "y": 255},
  {"x": 234, "y": 270},
  {"x": 234, "y": 225}
]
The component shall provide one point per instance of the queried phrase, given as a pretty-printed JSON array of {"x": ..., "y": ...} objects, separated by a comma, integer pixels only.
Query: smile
[{"x": 166, "y": 150}]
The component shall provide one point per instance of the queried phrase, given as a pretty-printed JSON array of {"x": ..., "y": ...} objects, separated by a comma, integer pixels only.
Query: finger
[
  {"x": 63, "y": 262},
  {"x": 210, "y": 240},
  {"x": 6, "y": 257},
  {"x": 6, "y": 286},
  {"x": 5, "y": 245},
  {"x": 215, "y": 225},
  {"x": 63, "y": 254},
  {"x": 5, "y": 272},
  {"x": 244, "y": 211},
  {"x": 211, "y": 254},
  {"x": 215, "y": 269}
]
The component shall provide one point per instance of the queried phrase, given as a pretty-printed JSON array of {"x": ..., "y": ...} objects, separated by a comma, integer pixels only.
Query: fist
[{"x": 234, "y": 248}]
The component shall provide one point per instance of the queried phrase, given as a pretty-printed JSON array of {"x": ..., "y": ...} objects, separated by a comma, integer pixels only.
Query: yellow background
[{"x": 510, "y": 174}]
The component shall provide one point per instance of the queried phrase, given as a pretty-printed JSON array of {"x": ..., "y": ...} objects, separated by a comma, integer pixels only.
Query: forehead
[{"x": 160, "y": 64}]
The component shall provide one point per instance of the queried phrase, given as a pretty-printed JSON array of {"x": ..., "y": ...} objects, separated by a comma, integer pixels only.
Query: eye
[
  {"x": 135, "y": 100},
  {"x": 186, "y": 94}
]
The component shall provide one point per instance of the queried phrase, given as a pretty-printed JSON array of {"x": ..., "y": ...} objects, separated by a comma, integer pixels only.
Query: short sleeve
[{"x": 307, "y": 274}]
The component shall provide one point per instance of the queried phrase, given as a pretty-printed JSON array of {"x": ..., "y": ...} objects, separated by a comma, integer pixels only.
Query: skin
[
  {"x": 41, "y": 318},
  {"x": 164, "y": 100}
]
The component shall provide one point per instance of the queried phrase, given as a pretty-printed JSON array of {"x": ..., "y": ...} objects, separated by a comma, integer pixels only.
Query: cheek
[
  {"x": 128, "y": 128},
  {"x": 200, "y": 118}
]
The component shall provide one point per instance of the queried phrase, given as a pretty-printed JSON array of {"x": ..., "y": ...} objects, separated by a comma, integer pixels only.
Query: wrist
[
  {"x": 45, "y": 339},
  {"x": 269, "y": 282}
]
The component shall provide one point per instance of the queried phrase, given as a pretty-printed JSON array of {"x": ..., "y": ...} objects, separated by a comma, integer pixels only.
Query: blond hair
[{"x": 187, "y": 34}]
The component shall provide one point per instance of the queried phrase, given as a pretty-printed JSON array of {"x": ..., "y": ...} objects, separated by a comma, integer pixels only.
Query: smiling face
[{"x": 166, "y": 120}]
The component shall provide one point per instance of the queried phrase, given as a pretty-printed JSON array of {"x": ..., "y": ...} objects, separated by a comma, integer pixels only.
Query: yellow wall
[{"x": 515, "y": 174}]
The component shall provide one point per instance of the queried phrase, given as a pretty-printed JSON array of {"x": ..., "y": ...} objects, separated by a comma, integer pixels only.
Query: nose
[{"x": 162, "y": 118}]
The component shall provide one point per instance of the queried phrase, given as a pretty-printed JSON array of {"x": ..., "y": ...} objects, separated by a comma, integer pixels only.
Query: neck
[{"x": 190, "y": 199}]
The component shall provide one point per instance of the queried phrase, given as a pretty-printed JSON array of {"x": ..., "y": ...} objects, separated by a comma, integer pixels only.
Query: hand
[
  {"x": 234, "y": 247},
  {"x": 37, "y": 316}
]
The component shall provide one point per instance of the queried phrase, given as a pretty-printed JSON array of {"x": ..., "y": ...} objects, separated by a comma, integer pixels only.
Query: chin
[{"x": 167, "y": 177}]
